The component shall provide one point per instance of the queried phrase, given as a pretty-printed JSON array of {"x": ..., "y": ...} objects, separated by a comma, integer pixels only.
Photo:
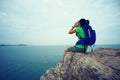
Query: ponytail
[{"x": 87, "y": 22}]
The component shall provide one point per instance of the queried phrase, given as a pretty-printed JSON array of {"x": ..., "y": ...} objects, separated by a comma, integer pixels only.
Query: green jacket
[{"x": 80, "y": 32}]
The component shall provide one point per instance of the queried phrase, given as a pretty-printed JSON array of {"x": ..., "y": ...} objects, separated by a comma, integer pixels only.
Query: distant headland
[{"x": 13, "y": 45}]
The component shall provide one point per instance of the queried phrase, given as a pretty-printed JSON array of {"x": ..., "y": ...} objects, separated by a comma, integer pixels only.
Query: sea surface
[{"x": 30, "y": 62}]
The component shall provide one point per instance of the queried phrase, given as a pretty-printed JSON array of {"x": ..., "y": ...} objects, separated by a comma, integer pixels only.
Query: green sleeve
[{"x": 80, "y": 31}]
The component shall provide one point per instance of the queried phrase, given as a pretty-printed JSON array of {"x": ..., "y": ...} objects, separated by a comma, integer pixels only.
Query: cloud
[
  {"x": 3, "y": 14},
  {"x": 37, "y": 20}
]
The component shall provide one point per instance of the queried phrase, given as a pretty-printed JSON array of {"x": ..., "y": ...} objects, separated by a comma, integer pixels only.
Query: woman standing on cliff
[{"x": 77, "y": 28}]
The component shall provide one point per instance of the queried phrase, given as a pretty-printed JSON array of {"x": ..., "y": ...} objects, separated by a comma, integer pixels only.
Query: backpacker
[{"x": 90, "y": 36}]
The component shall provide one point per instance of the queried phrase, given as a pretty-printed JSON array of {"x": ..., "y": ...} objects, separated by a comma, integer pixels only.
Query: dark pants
[{"x": 75, "y": 49}]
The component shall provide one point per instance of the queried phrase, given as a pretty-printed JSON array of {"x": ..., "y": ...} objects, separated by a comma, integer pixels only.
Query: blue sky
[{"x": 47, "y": 22}]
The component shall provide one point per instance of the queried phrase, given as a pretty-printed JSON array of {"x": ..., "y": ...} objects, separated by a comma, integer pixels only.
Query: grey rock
[{"x": 102, "y": 64}]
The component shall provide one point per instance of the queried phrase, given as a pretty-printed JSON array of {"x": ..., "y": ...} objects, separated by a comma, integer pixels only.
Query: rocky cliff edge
[{"x": 102, "y": 64}]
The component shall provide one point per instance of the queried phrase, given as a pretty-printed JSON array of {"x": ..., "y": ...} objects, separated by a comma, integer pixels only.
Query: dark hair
[
  {"x": 87, "y": 21},
  {"x": 82, "y": 21}
]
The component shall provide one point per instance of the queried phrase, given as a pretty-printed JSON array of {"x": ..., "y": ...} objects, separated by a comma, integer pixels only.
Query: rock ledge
[{"x": 102, "y": 64}]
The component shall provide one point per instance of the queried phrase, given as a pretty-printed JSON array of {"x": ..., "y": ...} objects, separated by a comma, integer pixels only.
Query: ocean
[{"x": 30, "y": 62}]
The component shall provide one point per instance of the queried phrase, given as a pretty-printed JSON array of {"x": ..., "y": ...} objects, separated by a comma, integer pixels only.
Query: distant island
[{"x": 13, "y": 45}]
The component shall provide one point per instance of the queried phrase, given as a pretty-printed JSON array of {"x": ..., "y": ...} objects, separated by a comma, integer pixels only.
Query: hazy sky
[{"x": 47, "y": 22}]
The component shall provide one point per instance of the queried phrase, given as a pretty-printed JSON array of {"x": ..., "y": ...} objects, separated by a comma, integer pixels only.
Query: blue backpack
[{"x": 90, "y": 36}]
